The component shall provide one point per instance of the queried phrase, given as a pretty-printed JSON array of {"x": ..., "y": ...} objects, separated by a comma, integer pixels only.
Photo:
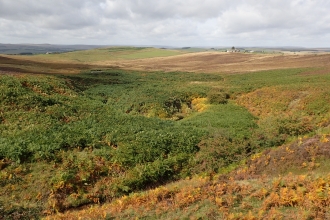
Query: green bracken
[{"x": 105, "y": 133}]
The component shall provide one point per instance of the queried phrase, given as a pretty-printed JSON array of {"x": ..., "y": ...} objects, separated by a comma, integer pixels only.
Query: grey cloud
[
  {"x": 58, "y": 14},
  {"x": 281, "y": 15},
  {"x": 170, "y": 22},
  {"x": 165, "y": 9}
]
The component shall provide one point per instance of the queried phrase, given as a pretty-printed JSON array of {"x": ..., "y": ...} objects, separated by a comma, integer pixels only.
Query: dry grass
[
  {"x": 223, "y": 62},
  {"x": 208, "y": 62},
  {"x": 31, "y": 65}
]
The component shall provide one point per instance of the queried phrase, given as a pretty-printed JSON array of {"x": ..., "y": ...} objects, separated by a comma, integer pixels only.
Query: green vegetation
[
  {"x": 111, "y": 53},
  {"x": 111, "y": 129},
  {"x": 96, "y": 136},
  {"x": 254, "y": 190}
]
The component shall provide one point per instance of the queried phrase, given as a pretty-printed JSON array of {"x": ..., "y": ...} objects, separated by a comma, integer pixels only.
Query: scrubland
[{"x": 119, "y": 134}]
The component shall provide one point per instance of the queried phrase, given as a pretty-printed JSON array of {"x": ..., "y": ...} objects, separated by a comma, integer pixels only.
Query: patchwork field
[
  {"x": 221, "y": 62},
  {"x": 126, "y": 133},
  {"x": 152, "y": 59}
]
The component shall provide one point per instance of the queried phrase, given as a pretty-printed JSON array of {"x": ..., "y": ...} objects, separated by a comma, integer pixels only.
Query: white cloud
[{"x": 169, "y": 22}]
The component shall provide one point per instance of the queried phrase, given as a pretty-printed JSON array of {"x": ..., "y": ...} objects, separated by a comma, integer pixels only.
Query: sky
[{"x": 176, "y": 23}]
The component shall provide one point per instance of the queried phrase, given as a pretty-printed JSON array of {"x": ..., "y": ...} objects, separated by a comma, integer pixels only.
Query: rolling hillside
[{"x": 126, "y": 133}]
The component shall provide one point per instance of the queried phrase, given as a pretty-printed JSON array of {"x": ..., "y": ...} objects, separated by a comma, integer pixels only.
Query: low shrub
[{"x": 218, "y": 97}]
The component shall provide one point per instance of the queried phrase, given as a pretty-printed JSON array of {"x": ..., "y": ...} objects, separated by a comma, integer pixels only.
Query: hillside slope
[
  {"x": 288, "y": 182},
  {"x": 79, "y": 134}
]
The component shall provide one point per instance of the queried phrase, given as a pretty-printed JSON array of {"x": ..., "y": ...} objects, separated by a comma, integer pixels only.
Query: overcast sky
[{"x": 167, "y": 22}]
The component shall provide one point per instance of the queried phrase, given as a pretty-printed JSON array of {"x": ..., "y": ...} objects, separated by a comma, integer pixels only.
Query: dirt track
[{"x": 224, "y": 62}]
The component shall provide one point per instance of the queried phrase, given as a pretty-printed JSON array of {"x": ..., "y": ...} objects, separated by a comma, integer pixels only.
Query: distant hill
[{"x": 29, "y": 49}]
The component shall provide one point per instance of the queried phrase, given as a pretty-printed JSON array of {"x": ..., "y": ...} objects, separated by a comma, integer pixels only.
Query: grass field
[
  {"x": 111, "y": 53},
  {"x": 77, "y": 131}
]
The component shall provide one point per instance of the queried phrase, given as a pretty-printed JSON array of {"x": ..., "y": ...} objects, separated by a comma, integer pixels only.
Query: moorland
[{"x": 129, "y": 133}]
